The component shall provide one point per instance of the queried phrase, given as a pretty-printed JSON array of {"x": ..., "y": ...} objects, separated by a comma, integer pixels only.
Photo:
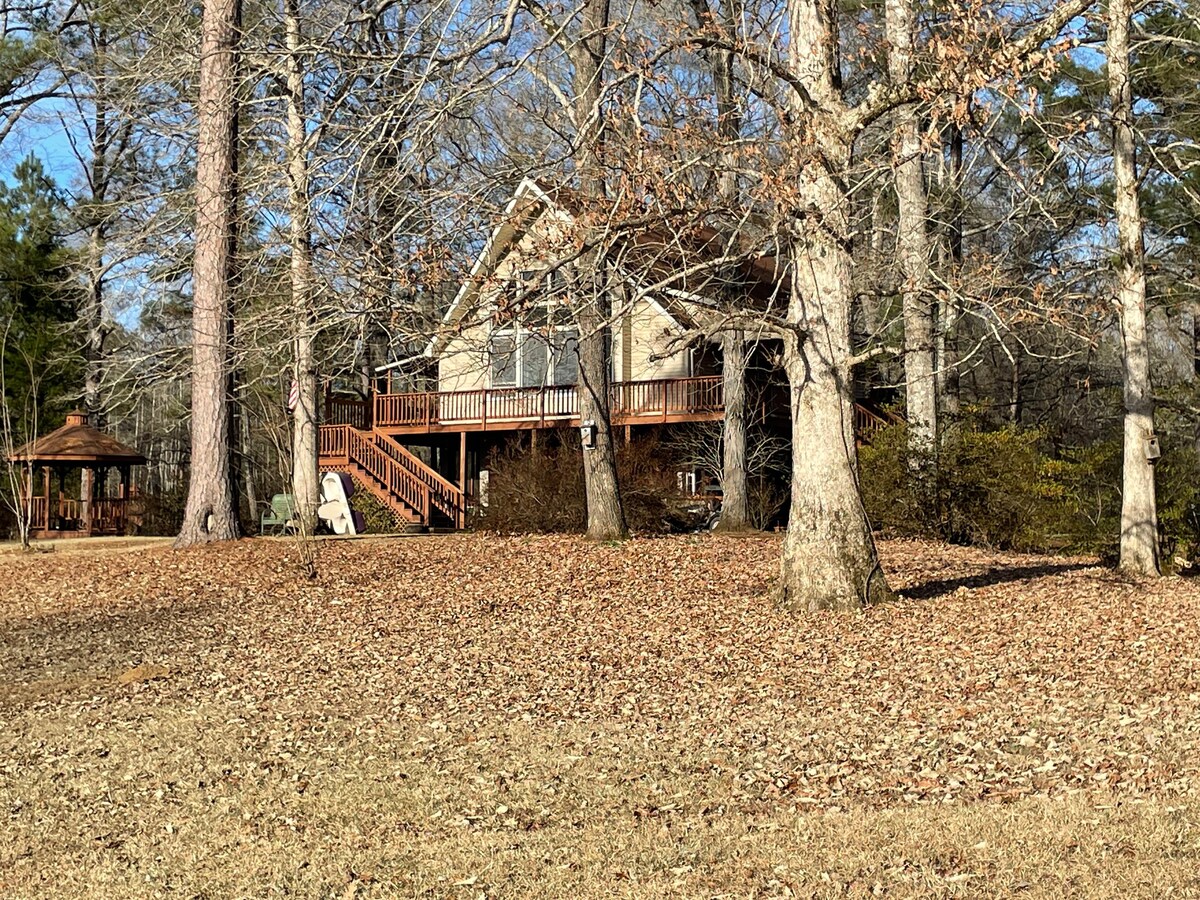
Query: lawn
[{"x": 471, "y": 716}]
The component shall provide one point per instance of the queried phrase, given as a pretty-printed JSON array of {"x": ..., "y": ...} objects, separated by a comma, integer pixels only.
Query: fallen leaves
[
  {"x": 143, "y": 672},
  {"x": 635, "y": 668}
]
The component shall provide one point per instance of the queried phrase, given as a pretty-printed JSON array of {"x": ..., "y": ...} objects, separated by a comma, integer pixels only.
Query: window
[
  {"x": 527, "y": 359},
  {"x": 533, "y": 344},
  {"x": 503, "y": 353},
  {"x": 565, "y": 345},
  {"x": 534, "y": 359}
]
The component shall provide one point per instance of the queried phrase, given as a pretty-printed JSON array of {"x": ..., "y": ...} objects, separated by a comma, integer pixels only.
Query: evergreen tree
[{"x": 38, "y": 300}]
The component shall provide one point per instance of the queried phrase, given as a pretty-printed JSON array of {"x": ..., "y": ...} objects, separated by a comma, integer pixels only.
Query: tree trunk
[
  {"x": 93, "y": 306},
  {"x": 305, "y": 476},
  {"x": 949, "y": 387},
  {"x": 1139, "y": 515},
  {"x": 210, "y": 514},
  {"x": 912, "y": 237},
  {"x": 605, "y": 514},
  {"x": 735, "y": 500},
  {"x": 248, "y": 477},
  {"x": 829, "y": 556}
]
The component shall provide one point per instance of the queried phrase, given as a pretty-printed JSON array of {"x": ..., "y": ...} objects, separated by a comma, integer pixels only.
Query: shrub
[
  {"x": 377, "y": 517},
  {"x": 1011, "y": 489},
  {"x": 542, "y": 490},
  {"x": 981, "y": 491}
]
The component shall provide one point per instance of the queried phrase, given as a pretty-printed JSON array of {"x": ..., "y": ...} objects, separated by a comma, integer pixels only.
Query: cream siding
[
  {"x": 652, "y": 332},
  {"x": 463, "y": 363}
]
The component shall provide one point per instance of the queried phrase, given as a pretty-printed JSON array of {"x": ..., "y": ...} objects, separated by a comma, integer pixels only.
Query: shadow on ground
[{"x": 1002, "y": 575}]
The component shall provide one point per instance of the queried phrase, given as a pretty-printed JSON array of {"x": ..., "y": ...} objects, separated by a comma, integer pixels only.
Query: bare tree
[
  {"x": 17, "y": 425},
  {"x": 1139, "y": 517},
  {"x": 305, "y": 487},
  {"x": 606, "y": 516},
  {"x": 735, "y": 510},
  {"x": 829, "y": 556},
  {"x": 912, "y": 236}
]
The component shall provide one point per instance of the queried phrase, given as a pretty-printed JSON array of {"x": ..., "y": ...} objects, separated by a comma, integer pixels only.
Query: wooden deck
[
  {"x": 671, "y": 400},
  {"x": 366, "y": 438}
]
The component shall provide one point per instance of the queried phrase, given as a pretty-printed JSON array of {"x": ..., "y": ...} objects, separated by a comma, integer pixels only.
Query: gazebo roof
[{"x": 78, "y": 442}]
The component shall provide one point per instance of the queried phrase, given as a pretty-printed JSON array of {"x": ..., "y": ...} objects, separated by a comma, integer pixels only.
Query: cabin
[{"x": 504, "y": 360}]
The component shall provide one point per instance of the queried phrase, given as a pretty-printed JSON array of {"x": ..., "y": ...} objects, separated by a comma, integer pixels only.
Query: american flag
[{"x": 293, "y": 395}]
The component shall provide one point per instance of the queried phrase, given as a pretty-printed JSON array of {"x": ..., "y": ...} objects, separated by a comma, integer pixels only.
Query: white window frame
[{"x": 521, "y": 336}]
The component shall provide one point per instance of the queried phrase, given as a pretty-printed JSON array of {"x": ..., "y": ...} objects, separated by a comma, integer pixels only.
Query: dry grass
[{"x": 471, "y": 716}]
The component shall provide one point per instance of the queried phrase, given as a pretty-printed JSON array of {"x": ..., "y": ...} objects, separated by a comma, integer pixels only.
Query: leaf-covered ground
[{"x": 474, "y": 716}]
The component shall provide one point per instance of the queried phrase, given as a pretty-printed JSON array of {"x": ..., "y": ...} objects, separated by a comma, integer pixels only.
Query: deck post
[{"x": 460, "y": 514}]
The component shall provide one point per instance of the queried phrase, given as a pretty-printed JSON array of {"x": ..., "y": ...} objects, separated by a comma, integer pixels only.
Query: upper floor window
[{"x": 534, "y": 358}]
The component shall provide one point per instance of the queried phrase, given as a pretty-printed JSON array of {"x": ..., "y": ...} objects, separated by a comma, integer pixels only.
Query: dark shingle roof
[{"x": 77, "y": 441}]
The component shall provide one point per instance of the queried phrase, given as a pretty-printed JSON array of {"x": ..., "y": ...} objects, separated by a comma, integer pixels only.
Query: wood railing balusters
[{"x": 488, "y": 408}]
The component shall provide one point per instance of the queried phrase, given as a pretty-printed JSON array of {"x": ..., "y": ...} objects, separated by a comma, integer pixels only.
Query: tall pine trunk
[
  {"x": 829, "y": 556},
  {"x": 93, "y": 305},
  {"x": 1139, "y": 515},
  {"x": 305, "y": 476},
  {"x": 605, "y": 514},
  {"x": 912, "y": 236},
  {"x": 210, "y": 514}
]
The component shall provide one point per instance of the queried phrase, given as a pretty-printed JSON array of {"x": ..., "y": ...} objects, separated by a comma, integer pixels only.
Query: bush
[
  {"x": 377, "y": 516},
  {"x": 1012, "y": 489},
  {"x": 162, "y": 512},
  {"x": 542, "y": 490}
]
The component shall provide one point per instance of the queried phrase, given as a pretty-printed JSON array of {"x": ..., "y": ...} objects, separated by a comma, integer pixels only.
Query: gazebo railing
[
  {"x": 108, "y": 514},
  {"x": 37, "y": 513}
]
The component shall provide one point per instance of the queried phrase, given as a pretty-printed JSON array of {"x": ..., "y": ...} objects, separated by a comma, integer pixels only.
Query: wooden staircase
[{"x": 414, "y": 492}]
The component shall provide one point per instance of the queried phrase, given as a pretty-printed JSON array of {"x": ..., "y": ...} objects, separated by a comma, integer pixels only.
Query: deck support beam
[{"x": 462, "y": 461}]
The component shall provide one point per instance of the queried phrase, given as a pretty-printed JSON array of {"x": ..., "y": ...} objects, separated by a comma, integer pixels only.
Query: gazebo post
[
  {"x": 123, "y": 506},
  {"x": 46, "y": 487},
  {"x": 87, "y": 488}
]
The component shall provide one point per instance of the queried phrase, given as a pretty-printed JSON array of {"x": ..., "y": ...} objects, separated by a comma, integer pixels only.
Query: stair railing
[
  {"x": 444, "y": 495},
  {"x": 387, "y": 472}
]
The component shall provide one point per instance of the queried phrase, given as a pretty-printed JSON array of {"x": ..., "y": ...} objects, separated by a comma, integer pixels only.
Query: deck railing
[
  {"x": 37, "y": 513},
  {"x": 869, "y": 422},
  {"x": 343, "y": 410},
  {"x": 630, "y": 402}
]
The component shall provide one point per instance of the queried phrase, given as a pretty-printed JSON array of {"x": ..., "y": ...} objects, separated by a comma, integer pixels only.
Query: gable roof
[
  {"x": 688, "y": 265},
  {"x": 77, "y": 441}
]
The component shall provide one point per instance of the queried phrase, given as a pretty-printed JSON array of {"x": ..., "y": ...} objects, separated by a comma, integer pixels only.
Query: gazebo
[{"x": 78, "y": 446}]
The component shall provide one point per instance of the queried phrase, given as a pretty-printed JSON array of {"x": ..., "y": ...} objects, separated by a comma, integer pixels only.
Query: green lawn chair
[{"x": 278, "y": 520}]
